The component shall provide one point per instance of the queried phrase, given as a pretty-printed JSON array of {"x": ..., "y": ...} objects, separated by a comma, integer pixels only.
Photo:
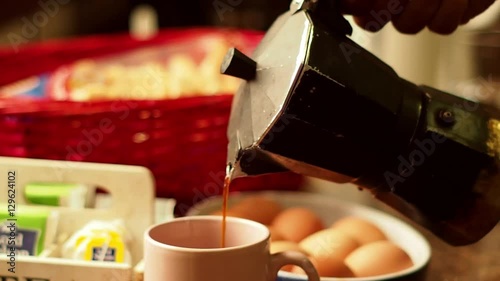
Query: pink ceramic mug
[{"x": 188, "y": 249}]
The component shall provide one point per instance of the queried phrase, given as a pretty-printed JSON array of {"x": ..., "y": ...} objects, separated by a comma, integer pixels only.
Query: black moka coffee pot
[{"x": 314, "y": 102}]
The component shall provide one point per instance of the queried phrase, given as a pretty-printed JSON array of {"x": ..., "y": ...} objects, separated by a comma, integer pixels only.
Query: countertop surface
[{"x": 477, "y": 262}]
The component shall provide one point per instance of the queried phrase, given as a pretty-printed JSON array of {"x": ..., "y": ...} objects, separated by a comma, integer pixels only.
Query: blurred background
[
  {"x": 465, "y": 63},
  {"x": 452, "y": 63},
  {"x": 83, "y": 17}
]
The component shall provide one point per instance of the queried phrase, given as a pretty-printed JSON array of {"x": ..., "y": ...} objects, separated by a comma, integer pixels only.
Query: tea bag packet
[
  {"x": 76, "y": 196},
  {"x": 99, "y": 241},
  {"x": 27, "y": 230}
]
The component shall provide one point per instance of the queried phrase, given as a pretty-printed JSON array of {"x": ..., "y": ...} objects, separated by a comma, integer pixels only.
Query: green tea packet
[
  {"x": 27, "y": 230},
  {"x": 59, "y": 194}
]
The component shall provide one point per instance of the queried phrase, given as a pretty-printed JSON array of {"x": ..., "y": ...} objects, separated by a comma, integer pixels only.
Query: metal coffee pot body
[{"x": 314, "y": 102}]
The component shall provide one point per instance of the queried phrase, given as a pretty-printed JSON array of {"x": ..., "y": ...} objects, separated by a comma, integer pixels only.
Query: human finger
[
  {"x": 474, "y": 8},
  {"x": 448, "y": 16},
  {"x": 416, "y": 15},
  {"x": 383, "y": 11}
]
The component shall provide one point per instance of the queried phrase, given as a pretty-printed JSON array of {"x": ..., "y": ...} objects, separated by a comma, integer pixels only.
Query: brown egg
[
  {"x": 329, "y": 243},
  {"x": 377, "y": 258},
  {"x": 327, "y": 267},
  {"x": 297, "y": 223},
  {"x": 360, "y": 229},
  {"x": 258, "y": 208},
  {"x": 275, "y": 234},
  {"x": 281, "y": 246}
]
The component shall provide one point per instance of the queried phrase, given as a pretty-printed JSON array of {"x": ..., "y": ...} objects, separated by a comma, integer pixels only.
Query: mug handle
[{"x": 278, "y": 260}]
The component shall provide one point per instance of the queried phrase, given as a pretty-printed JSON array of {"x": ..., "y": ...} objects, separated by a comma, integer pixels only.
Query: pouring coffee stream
[
  {"x": 314, "y": 102},
  {"x": 225, "y": 196}
]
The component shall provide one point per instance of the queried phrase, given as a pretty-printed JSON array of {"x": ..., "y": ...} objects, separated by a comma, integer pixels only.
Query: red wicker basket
[{"x": 182, "y": 141}]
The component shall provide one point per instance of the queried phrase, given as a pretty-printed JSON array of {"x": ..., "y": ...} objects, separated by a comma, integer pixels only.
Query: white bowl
[{"x": 331, "y": 209}]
